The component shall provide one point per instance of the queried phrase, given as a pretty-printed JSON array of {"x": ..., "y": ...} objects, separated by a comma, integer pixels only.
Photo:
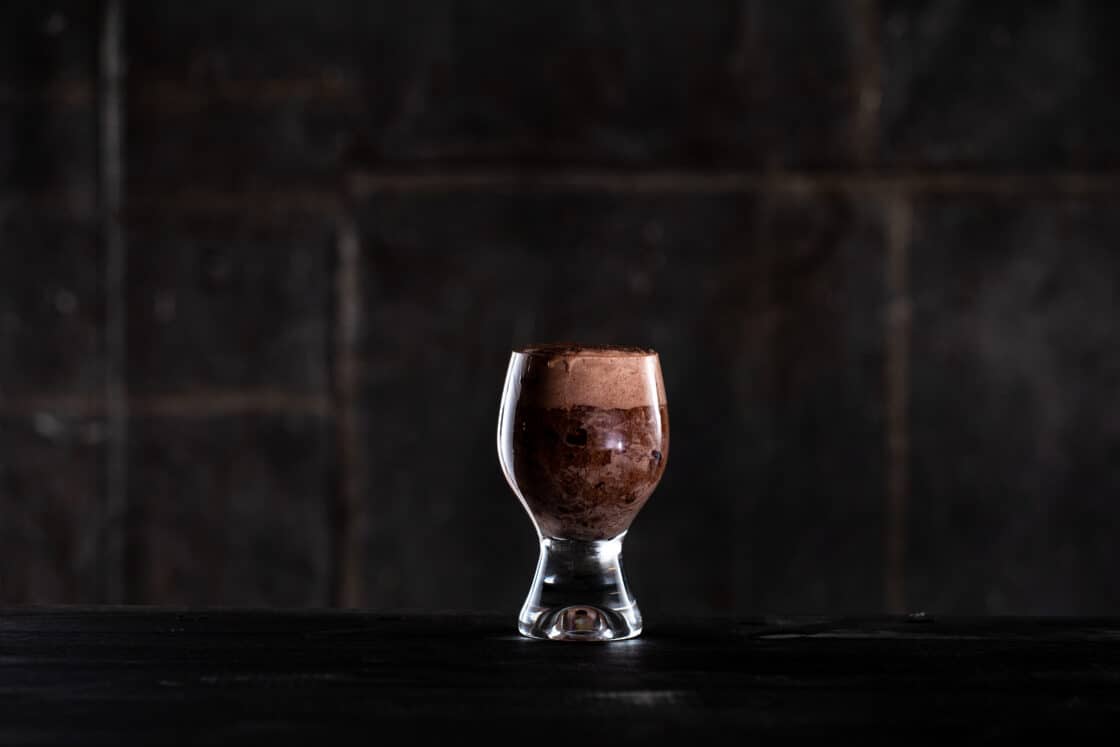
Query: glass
[{"x": 583, "y": 438}]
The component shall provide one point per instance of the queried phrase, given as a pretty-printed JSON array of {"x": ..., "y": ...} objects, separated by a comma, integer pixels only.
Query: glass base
[{"x": 579, "y": 594}]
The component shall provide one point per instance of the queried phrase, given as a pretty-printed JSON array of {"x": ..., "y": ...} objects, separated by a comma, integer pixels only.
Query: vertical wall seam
[
  {"x": 111, "y": 198},
  {"x": 895, "y": 209},
  {"x": 897, "y": 380},
  {"x": 349, "y": 525},
  {"x": 868, "y": 72}
]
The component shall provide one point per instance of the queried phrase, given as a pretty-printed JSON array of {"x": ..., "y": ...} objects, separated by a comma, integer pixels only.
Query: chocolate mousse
[{"x": 584, "y": 436}]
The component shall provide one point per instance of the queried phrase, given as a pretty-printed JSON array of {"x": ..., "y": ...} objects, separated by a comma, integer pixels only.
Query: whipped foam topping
[{"x": 566, "y": 376}]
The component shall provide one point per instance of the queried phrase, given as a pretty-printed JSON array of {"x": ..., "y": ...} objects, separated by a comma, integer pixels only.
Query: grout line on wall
[
  {"x": 349, "y": 514},
  {"x": 302, "y": 199},
  {"x": 866, "y": 136},
  {"x": 62, "y": 93},
  {"x": 365, "y": 183},
  {"x": 899, "y": 230},
  {"x": 159, "y": 95},
  {"x": 236, "y": 403},
  {"x": 205, "y": 404},
  {"x": 111, "y": 190},
  {"x": 317, "y": 199},
  {"x": 868, "y": 80}
]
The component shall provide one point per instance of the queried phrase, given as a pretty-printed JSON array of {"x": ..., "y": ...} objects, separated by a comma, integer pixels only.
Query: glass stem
[{"x": 580, "y": 593}]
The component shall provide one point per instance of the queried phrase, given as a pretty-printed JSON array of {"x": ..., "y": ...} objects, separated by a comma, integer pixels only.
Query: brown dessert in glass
[{"x": 583, "y": 439}]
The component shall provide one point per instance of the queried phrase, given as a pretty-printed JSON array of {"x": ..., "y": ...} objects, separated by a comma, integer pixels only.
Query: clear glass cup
[{"x": 583, "y": 438}]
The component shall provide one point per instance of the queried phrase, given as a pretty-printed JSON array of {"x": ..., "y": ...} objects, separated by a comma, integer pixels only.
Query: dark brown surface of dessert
[
  {"x": 585, "y": 472},
  {"x": 566, "y": 349}
]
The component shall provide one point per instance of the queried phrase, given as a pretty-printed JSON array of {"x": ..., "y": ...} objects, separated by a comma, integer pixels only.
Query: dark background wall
[{"x": 262, "y": 264}]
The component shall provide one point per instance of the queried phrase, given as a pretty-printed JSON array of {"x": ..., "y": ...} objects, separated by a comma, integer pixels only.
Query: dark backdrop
[{"x": 262, "y": 264}]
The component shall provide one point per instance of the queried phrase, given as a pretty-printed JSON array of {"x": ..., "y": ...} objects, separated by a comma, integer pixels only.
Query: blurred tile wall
[{"x": 262, "y": 264}]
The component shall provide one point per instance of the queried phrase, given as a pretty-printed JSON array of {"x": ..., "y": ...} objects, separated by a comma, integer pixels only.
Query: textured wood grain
[{"x": 202, "y": 677}]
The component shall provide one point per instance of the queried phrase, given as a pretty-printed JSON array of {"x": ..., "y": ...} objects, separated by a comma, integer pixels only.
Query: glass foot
[{"x": 579, "y": 593}]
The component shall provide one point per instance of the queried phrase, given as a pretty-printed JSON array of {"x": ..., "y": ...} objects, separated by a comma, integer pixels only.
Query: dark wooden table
[{"x": 142, "y": 676}]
